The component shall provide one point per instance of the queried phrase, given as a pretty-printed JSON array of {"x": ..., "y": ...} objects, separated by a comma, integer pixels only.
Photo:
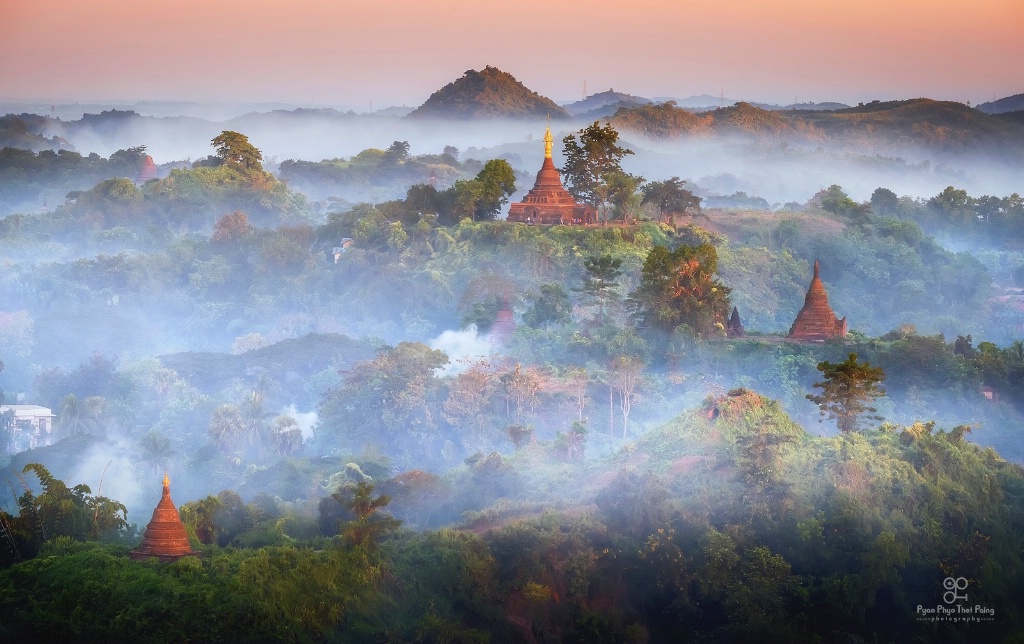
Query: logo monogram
[{"x": 953, "y": 586}]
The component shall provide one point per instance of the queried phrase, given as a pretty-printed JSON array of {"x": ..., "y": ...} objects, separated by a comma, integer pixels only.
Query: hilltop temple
[
  {"x": 816, "y": 322},
  {"x": 165, "y": 537},
  {"x": 549, "y": 202}
]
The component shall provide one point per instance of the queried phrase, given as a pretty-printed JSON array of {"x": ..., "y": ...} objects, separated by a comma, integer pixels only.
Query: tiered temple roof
[
  {"x": 734, "y": 327},
  {"x": 549, "y": 202},
  {"x": 165, "y": 537},
  {"x": 147, "y": 171},
  {"x": 816, "y": 321}
]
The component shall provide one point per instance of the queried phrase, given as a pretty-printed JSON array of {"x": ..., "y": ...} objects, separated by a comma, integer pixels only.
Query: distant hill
[
  {"x": 393, "y": 111},
  {"x": 604, "y": 112},
  {"x": 1012, "y": 117},
  {"x": 828, "y": 105},
  {"x": 669, "y": 121},
  {"x": 490, "y": 93},
  {"x": 609, "y": 99},
  {"x": 304, "y": 356},
  {"x": 701, "y": 101},
  {"x": 707, "y": 102},
  {"x": 29, "y": 132},
  {"x": 942, "y": 126},
  {"x": 1009, "y": 104},
  {"x": 749, "y": 119},
  {"x": 660, "y": 121}
]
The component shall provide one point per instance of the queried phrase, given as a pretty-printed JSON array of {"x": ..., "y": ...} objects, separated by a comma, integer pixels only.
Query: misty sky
[{"x": 395, "y": 52}]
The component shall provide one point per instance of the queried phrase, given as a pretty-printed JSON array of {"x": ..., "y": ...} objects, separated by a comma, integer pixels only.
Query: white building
[{"x": 32, "y": 426}]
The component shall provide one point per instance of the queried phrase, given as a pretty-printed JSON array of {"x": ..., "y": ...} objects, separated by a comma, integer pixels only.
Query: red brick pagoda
[
  {"x": 147, "y": 171},
  {"x": 165, "y": 536},
  {"x": 504, "y": 324},
  {"x": 549, "y": 202},
  {"x": 816, "y": 322}
]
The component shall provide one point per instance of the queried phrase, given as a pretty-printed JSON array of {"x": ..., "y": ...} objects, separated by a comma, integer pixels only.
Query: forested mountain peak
[
  {"x": 749, "y": 118},
  {"x": 663, "y": 120},
  {"x": 1008, "y": 104},
  {"x": 488, "y": 93},
  {"x": 604, "y": 99}
]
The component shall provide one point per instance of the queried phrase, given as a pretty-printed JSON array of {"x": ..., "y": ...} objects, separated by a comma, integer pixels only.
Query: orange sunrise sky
[{"x": 392, "y": 52}]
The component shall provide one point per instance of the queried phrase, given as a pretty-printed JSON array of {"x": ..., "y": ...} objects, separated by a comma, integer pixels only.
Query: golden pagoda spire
[
  {"x": 547, "y": 143},
  {"x": 167, "y": 480}
]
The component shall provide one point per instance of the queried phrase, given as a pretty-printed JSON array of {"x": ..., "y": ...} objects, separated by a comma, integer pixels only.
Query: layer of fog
[
  {"x": 463, "y": 347},
  {"x": 781, "y": 172},
  {"x": 777, "y": 169},
  {"x": 206, "y": 111}
]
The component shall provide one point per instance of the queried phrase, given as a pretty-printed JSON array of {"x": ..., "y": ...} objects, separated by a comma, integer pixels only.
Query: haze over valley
[{"x": 316, "y": 345}]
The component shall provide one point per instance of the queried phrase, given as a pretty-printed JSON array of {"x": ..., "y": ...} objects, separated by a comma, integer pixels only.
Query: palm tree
[
  {"x": 156, "y": 451},
  {"x": 368, "y": 526},
  {"x": 74, "y": 417},
  {"x": 254, "y": 421},
  {"x": 287, "y": 435},
  {"x": 80, "y": 416},
  {"x": 1017, "y": 350},
  {"x": 226, "y": 426}
]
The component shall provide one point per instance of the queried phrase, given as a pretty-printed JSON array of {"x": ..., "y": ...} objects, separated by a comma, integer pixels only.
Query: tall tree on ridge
[
  {"x": 591, "y": 162},
  {"x": 847, "y": 390}
]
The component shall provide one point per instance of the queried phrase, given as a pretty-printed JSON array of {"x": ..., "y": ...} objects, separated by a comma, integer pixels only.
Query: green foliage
[
  {"x": 57, "y": 511},
  {"x": 376, "y": 175},
  {"x": 397, "y": 151},
  {"x": 235, "y": 151},
  {"x": 671, "y": 198},
  {"x": 367, "y": 527},
  {"x": 550, "y": 307},
  {"x": 591, "y": 162},
  {"x": 884, "y": 202},
  {"x": 861, "y": 523},
  {"x": 953, "y": 212},
  {"x": 25, "y": 176},
  {"x": 498, "y": 182},
  {"x": 837, "y": 202},
  {"x": 199, "y": 518},
  {"x": 279, "y": 594},
  {"x": 384, "y": 402},
  {"x": 600, "y": 285},
  {"x": 678, "y": 287},
  {"x": 847, "y": 390},
  {"x": 623, "y": 196}
]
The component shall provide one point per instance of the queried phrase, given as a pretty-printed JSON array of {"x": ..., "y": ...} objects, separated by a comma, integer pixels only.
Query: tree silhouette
[
  {"x": 848, "y": 389},
  {"x": 591, "y": 162},
  {"x": 235, "y": 151},
  {"x": 671, "y": 198},
  {"x": 599, "y": 284},
  {"x": 679, "y": 287},
  {"x": 368, "y": 526}
]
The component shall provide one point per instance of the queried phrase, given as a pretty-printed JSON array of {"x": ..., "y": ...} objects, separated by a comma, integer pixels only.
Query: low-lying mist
[{"x": 774, "y": 167}]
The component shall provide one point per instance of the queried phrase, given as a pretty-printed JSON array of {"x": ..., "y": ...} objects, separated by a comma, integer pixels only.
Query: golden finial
[
  {"x": 167, "y": 480},
  {"x": 547, "y": 143}
]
